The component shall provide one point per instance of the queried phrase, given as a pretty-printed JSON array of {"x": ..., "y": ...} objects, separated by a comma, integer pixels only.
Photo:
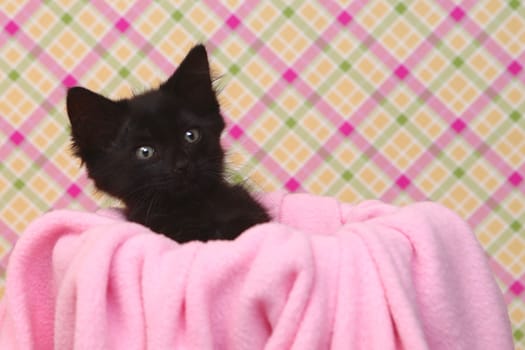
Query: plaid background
[{"x": 397, "y": 100}]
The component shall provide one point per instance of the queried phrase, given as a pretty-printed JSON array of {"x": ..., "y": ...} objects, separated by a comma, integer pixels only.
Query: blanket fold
[{"x": 322, "y": 275}]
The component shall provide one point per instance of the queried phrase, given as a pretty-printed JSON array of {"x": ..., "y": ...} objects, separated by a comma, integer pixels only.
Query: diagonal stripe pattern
[{"x": 400, "y": 101}]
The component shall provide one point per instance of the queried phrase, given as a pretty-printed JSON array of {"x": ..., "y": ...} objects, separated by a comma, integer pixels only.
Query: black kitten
[{"x": 159, "y": 152}]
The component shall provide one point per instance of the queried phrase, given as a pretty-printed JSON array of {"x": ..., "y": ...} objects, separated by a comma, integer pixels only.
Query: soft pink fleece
[{"x": 322, "y": 275}]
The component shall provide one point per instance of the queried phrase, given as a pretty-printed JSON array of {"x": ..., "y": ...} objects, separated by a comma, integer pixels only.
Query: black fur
[{"x": 180, "y": 191}]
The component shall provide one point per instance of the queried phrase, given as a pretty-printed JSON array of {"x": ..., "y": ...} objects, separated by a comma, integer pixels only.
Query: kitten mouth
[
  {"x": 180, "y": 173},
  {"x": 181, "y": 184}
]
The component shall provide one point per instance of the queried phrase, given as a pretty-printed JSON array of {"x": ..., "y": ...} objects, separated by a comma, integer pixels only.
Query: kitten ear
[
  {"x": 192, "y": 81},
  {"x": 95, "y": 119}
]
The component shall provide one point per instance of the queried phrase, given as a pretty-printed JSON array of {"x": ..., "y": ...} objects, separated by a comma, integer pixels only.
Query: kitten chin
[{"x": 160, "y": 153}]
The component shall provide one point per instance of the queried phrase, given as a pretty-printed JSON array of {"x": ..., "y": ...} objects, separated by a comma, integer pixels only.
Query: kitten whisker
[{"x": 148, "y": 211}]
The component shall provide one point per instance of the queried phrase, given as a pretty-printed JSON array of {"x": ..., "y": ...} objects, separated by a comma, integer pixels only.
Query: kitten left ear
[
  {"x": 192, "y": 81},
  {"x": 95, "y": 119}
]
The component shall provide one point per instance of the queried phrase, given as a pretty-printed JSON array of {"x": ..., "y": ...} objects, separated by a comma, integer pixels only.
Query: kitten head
[{"x": 164, "y": 142}]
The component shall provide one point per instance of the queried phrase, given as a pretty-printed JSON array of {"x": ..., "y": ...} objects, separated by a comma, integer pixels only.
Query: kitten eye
[
  {"x": 144, "y": 152},
  {"x": 192, "y": 135}
]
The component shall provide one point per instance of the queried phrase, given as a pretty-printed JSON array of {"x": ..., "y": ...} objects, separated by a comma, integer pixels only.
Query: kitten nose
[{"x": 180, "y": 165}]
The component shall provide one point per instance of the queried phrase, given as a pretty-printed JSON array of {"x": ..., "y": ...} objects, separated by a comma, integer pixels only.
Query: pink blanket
[{"x": 323, "y": 275}]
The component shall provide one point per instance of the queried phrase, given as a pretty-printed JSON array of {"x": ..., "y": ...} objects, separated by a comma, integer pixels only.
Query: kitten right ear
[
  {"x": 95, "y": 120},
  {"x": 192, "y": 81}
]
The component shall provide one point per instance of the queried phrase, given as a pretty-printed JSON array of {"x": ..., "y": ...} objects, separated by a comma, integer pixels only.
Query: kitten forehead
[
  {"x": 150, "y": 102},
  {"x": 166, "y": 110}
]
